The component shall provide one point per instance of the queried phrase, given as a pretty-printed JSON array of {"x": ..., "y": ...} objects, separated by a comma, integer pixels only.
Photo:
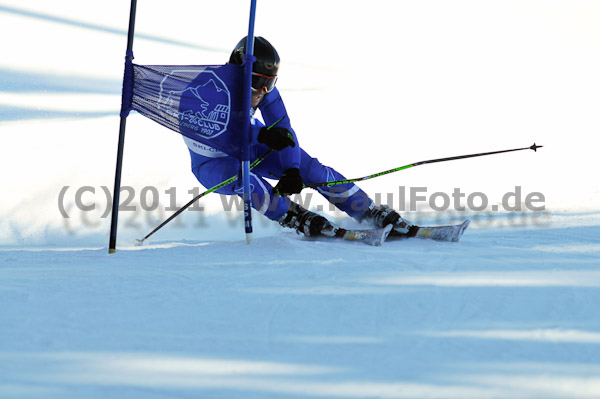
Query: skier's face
[{"x": 257, "y": 96}]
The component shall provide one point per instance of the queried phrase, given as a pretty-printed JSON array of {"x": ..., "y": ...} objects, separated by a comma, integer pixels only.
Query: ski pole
[
  {"x": 534, "y": 147},
  {"x": 210, "y": 190},
  {"x": 196, "y": 198}
]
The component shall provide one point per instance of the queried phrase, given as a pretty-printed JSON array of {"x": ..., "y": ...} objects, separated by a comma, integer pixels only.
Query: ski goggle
[{"x": 259, "y": 81}]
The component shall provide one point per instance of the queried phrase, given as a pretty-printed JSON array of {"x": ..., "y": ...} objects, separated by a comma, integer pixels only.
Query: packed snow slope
[
  {"x": 502, "y": 314},
  {"x": 511, "y": 311}
]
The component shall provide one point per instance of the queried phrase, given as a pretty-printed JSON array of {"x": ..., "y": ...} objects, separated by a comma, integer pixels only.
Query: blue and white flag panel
[{"x": 203, "y": 102}]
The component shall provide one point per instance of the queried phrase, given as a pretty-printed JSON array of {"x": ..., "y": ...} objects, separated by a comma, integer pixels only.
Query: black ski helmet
[{"x": 267, "y": 59}]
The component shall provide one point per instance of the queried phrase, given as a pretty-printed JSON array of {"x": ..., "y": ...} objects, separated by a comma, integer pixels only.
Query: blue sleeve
[
  {"x": 255, "y": 126},
  {"x": 273, "y": 110}
]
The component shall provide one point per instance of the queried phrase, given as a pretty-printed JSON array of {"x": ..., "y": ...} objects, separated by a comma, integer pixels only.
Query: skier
[{"x": 291, "y": 164}]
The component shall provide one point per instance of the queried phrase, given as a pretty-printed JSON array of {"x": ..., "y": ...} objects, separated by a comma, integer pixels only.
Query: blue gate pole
[
  {"x": 248, "y": 61},
  {"x": 125, "y": 100}
]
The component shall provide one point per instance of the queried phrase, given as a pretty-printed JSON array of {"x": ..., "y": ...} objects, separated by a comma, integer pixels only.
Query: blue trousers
[{"x": 212, "y": 171}]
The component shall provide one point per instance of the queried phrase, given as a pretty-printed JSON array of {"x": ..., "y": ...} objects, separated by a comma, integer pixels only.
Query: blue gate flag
[{"x": 203, "y": 103}]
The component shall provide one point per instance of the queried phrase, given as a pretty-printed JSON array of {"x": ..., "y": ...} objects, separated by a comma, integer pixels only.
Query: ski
[
  {"x": 450, "y": 233},
  {"x": 374, "y": 237}
]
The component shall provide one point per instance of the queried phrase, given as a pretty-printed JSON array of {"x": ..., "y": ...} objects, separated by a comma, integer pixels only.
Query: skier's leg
[
  {"x": 217, "y": 170},
  {"x": 346, "y": 197},
  {"x": 349, "y": 197},
  {"x": 279, "y": 209}
]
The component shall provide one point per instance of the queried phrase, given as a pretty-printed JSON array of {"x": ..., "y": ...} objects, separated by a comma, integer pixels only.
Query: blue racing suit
[{"x": 211, "y": 167}]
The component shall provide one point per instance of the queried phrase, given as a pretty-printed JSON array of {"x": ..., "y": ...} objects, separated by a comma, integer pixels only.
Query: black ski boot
[
  {"x": 381, "y": 216},
  {"x": 307, "y": 222}
]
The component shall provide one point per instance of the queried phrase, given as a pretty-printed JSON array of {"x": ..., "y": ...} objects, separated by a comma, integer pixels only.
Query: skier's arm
[{"x": 273, "y": 111}]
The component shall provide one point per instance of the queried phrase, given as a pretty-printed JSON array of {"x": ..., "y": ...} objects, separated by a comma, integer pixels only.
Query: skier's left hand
[
  {"x": 277, "y": 138},
  {"x": 290, "y": 183}
]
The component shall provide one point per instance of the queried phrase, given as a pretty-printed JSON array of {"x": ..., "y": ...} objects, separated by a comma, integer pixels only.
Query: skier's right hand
[
  {"x": 290, "y": 183},
  {"x": 276, "y": 138}
]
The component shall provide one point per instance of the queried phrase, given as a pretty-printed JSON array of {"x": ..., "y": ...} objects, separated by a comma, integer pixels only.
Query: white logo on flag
[{"x": 202, "y": 106}]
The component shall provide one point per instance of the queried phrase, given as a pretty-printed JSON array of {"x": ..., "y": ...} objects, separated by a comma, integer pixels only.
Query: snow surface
[{"x": 509, "y": 312}]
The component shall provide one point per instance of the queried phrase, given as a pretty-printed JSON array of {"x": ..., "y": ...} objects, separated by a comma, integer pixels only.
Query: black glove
[
  {"x": 290, "y": 183},
  {"x": 276, "y": 138}
]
